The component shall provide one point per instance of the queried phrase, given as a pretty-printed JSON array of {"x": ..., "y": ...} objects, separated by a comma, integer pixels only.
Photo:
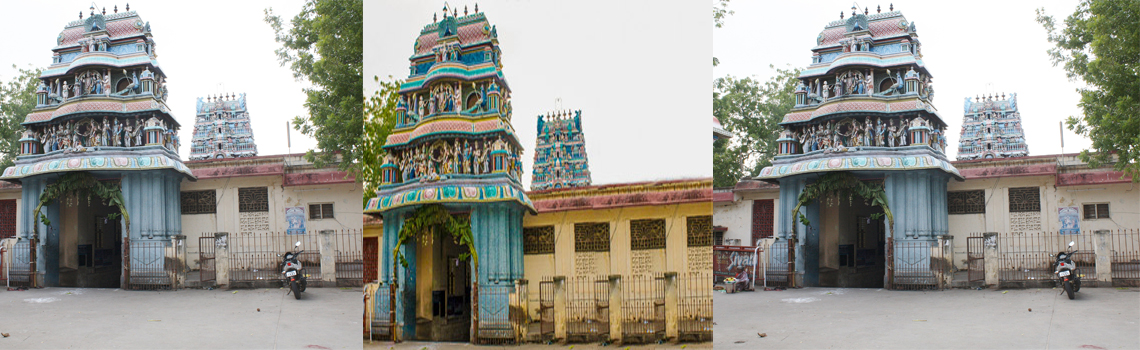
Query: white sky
[
  {"x": 201, "y": 46},
  {"x": 638, "y": 70},
  {"x": 970, "y": 47}
]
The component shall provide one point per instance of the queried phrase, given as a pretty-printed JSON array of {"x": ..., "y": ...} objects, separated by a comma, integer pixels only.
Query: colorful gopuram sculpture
[
  {"x": 863, "y": 107},
  {"x": 991, "y": 128},
  {"x": 101, "y": 109},
  {"x": 453, "y": 144},
  {"x": 560, "y": 152},
  {"x": 221, "y": 129}
]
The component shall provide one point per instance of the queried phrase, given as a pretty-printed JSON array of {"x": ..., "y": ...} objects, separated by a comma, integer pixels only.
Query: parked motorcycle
[
  {"x": 293, "y": 272},
  {"x": 1067, "y": 272}
]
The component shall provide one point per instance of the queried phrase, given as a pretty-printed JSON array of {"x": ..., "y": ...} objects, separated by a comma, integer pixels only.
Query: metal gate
[
  {"x": 975, "y": 260},
  {"x": 696, "y": 306},
  {"x": 207, "y": 271},
  {"x": 643, "y": 308},
  {"x": 154, "y": 265},
  {"x": 20, "y": 272},
  {"x": 349, "y": 258},
  {"x": 546, "y": 309}
]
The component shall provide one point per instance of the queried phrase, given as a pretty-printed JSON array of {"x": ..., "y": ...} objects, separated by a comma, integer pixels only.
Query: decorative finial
[
  {"x": 454, "y": 12},
  {"x": 892, "y": 6},
  {"x": 866, "y": 11},
  {"x": 476, "y": 7},
  {"x": 80, "y": 14},
  {"x": 433, "y": 18},
  {"x": 104, "y": 11},
  {"x": 128, "y": 7},
  {"x": 92, "y": 9},
  {"x": 840, "y": 14},
  {"x": 116, "y": 8},
  {"x": 464, "y": 10},
  {"x": 878, "y": 8}
]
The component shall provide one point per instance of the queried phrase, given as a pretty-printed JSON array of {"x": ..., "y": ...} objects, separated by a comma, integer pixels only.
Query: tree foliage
[
  {"x": 325, "y": 46},
  {"x": 380, "y": 118},
  {"x": 17, "y": 99},
  {"x": 720, "y": 11},
  {"x": 752, "y": 112},
  {"x": 1100, "y": 45}
]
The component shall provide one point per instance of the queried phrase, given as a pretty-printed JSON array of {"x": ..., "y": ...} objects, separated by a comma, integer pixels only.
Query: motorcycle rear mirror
[
  {"x": 299, "y": 244},
  {"x": 1071, "y": 243}
]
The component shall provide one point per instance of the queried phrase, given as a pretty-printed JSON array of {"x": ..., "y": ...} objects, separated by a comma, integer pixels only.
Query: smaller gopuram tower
[
  {"x": 991, "y": 128},
  {"x": 221, "y": 128},
  {"x": 560, "y": 152}
]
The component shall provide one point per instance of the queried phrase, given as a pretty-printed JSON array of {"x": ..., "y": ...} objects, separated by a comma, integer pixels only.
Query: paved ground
[
  {"x": 822, "y": 318},
  {"x": 63, "y": 318},
  {"x": 379, "y": 345}
]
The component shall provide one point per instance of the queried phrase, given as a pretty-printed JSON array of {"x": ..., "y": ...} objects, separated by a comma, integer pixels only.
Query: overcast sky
[
  {"x": 638, "y": 70},
  {"x": 970, "y": 47},
  {"x": 201, "y": 45}
]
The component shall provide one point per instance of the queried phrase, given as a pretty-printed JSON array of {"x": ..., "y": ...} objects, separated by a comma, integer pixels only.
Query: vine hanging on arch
[
  {"x": 839, "y": 185},
  {"x": 74, "y": 183}
]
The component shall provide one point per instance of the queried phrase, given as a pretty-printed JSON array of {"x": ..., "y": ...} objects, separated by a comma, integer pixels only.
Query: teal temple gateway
[
  {"x": 863, "y": 106},
  {"x": 101, "y": 109},
  {"x": 454, "y": 145}
]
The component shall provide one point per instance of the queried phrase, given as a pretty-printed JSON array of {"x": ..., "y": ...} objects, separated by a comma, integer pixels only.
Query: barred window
[
  {"x": 321, "y": 211},
  {"x": 592, "y": 237},
  {"x": 700, "y": 230},
  {"x": 763, "y": 219},
  {"x": 538, "y": 240},
  {"x": 1096, "y": 211},
  {"x": 253, "y": 199},
  {"x": 647, "y": 234},
  {"x": 1024, "y": 199},
  {"x": 199, "y": 202},
  {"x": 966, "y": 202}
]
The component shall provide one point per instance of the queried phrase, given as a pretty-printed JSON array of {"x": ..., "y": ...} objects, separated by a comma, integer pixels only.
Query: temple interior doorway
[
  {"x": 851, "y": 244},
  {"x": 90, "y": 243},
  {"x": 443, "y": 289}
]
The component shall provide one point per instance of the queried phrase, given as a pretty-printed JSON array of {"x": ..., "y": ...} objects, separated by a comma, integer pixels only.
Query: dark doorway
[
  {"x": 90, "y": 243},
  {"x": 851, "y": 244}
]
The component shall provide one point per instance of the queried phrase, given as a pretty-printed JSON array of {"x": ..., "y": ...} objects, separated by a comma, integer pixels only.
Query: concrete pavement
[
  {"x": 71, "y": 318},
  {"x": 828, "y": 318}
]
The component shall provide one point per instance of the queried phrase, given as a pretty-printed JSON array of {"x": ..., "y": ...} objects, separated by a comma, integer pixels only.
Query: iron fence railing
[
  {"x": 588, "y": 314},
  {"x": 254, "y": 256},
  {"x": 1025, "y": 257},
  {"x": 695, "y": 306},
  {"x": 975, "y": 259},
  {"x": 543, "y": 329},
  {"x": 643, "y": 307},
  {"x": 377, "y": 315},
  {"x": 496, "y": 316},
  {"x": 348, "y": 245},
  {"x": 154, "y": 265}
]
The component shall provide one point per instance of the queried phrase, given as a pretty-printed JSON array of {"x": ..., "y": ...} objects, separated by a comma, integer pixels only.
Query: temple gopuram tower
[
  {"x": 453, "y": 145},
  {"x": 221, "y": 129},
  {"x": 863, "y": 110},
  {"x": 560, "y": 152},
  {"x": 100, "y": 113},
  {"x": 992, "y": 129}
]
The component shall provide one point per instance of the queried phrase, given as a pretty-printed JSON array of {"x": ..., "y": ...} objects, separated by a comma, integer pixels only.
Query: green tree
[
  {"x": 1100, "y": 45},
  {"x": 720, "y": 11},
  {"x": 752, "y": 112},
  {"x": 380, "y": 118},
  {"x": 17, "y": 99},
  {"x": 324, "y": 45}
]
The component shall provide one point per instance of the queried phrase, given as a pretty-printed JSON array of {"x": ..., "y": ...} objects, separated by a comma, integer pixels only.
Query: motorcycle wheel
[
  {"x": 1077, "y": 285},
  {"x": 297, "y": 290},
  {"x": 304, "y": 284},
  {"x": 1069, "y": 289}
]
